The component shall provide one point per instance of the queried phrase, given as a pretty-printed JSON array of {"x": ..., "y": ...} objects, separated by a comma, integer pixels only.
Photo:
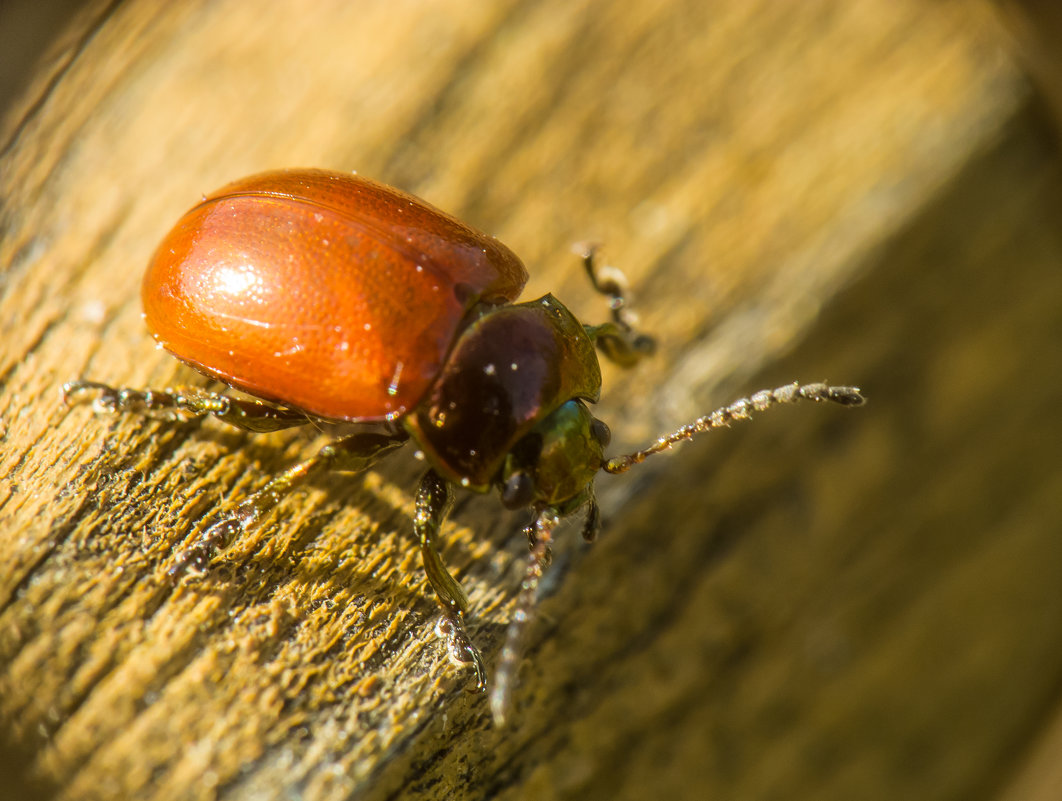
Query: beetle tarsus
[
  {"x": 460, "y": 648},
  {"x": 110, "y": 400},
  {"x": 195, "y": 559}
]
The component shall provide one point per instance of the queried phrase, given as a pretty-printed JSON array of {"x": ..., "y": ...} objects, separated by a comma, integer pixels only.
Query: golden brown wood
[
  {"x": 821, "y": 604},
  {"x": 1036, "y": 26}
]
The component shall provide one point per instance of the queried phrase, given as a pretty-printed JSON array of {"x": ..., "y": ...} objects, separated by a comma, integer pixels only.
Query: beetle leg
[
  {"x": 617, "y": 338},
  {"x": 247, "y": 414},
  {"x": 539, "y": 536},
  {"x": 435, "y": 498},
  {"x": 353, "y": 454}
]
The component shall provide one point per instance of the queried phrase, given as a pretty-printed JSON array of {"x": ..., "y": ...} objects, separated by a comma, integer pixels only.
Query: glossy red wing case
[{"x": 327, "y": 292}]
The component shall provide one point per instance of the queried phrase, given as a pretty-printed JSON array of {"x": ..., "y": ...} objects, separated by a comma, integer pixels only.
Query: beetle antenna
[
  {"x": 740, "y": 410},
  {"x": 540, "y": 535}
]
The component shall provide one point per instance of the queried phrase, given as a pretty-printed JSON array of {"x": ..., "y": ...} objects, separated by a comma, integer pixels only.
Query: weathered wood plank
[{"x": 821, "y": 604}]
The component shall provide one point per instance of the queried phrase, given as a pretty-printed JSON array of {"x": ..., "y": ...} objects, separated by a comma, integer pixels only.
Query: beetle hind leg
[{"x": 250, "y": 415}]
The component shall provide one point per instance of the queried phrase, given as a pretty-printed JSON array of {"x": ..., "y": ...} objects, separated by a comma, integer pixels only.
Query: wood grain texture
[
  {"x": 1035, "y": 26},
  {"x": 822, "y": 604}
]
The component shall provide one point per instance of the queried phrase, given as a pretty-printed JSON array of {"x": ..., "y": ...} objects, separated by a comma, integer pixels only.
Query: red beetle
[{"x": 333, "y": 297}]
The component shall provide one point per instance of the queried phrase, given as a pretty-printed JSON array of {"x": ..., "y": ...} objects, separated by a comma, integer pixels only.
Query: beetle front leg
[
  {"x": 435, "y": 498},
  {"x": 617, "y": 339},
  {"x": 354, "y": 454},
  {"x": 189, "y": 403}
]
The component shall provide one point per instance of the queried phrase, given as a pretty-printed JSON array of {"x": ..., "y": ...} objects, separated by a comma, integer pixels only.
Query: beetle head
[{"x": 554, "y": 465}]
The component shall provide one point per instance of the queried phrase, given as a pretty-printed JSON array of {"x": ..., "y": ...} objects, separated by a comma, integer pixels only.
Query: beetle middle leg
[
  {"x": 435, "y": 498},
  {"x": 353, "y": 454}
]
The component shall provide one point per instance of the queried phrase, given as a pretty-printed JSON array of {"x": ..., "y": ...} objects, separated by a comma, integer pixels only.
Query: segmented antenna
[
  {"x": 540, "y": 536},
  {"x": 739, "y": 410}
]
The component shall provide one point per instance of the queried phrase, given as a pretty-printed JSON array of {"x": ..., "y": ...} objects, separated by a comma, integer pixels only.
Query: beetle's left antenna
[{"x": 740, "y": 410}]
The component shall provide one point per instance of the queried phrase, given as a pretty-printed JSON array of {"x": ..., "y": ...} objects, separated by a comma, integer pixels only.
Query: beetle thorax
[{"x": 509, "y": 370}]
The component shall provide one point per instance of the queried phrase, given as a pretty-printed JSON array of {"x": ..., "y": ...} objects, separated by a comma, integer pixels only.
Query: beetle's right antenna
[
  {"x": 739, "y": 410},
  {"x": 540, "y": 536}
]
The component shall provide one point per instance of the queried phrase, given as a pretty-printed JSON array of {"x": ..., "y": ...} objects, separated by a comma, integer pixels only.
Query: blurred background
[
  {"x": 821, "y": 604},
  {"x": 26, "y": 30}
]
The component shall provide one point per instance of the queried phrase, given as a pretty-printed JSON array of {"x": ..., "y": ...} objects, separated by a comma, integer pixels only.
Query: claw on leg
[{"x": 459, "y": 647}]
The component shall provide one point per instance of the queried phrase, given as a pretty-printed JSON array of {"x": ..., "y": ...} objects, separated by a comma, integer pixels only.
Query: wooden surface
[
  {"x": 822, "y": 604},
  {"x": 1035, "y": 27}
]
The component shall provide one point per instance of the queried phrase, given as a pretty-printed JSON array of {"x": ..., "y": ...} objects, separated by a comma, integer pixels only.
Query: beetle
[{"x": 330, "y": 297}]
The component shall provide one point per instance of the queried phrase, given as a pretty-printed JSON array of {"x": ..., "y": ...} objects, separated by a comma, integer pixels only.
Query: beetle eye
[
  {"x": 518, "y": 491},
  {"x": 601, "y": 432}
]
